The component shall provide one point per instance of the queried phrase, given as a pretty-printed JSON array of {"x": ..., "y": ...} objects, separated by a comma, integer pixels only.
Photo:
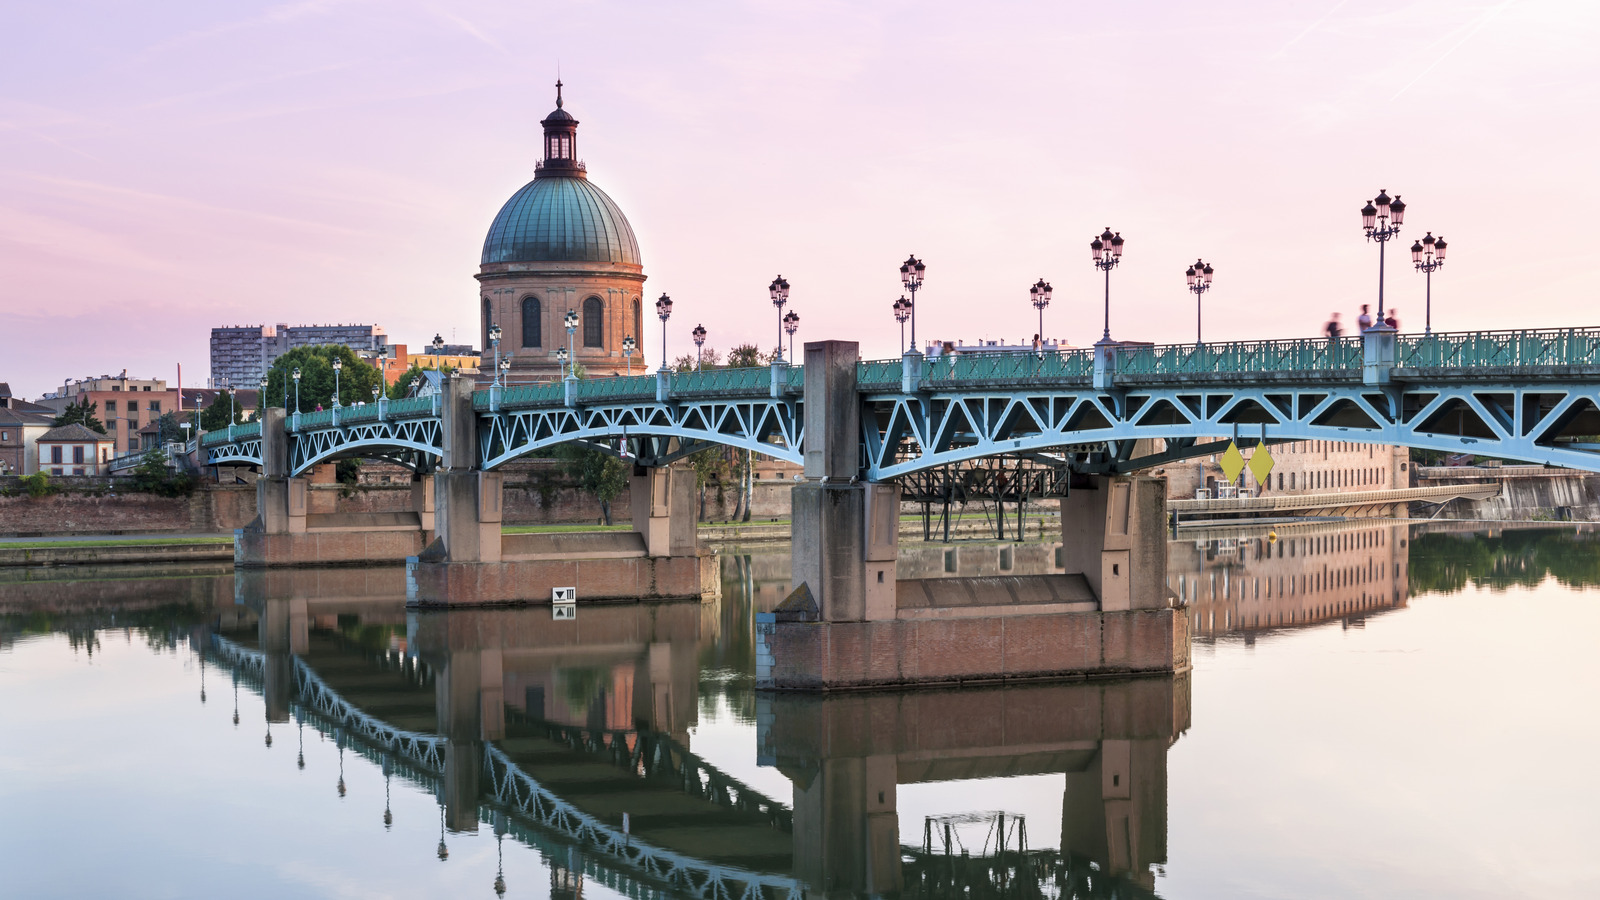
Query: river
[{"x": 1376, "y": 709}]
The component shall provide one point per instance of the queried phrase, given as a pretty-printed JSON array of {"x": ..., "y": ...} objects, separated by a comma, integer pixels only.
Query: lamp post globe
[
  {"x": 699, "y": 335},
  {"x": 1381, "y": 219},
  {"x": 912, "y": 272},
  {"x": 664, "y": 312},
  {"x": 628, "y": 346},
  {"x": 338, "y": 365},
  {"x": 791, "y": 324},
  {"x": 438, "y": 344},
  {"x": 1427, "y": 255},
  {"x": 1106, "y": 251},
  {"x": 1199, "y": 278},
  {"x": 1039, "y": 294},
  {"x": 778, "y": 290},
  {"x": 297, "y": 389},
  {"x": 902, "y": 312}
]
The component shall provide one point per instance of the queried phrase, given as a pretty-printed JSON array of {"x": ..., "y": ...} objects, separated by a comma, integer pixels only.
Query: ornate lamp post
[
  {"x": 628, "y": 346},
  {"x": 571, "y": 321},
  {"x": 791, "y": 324},
  {"x": 338, "y": 364},
  {"x": 1381, "y": 219},
  {"x": 1107, "y": 252},
  {"x": 374, "y": 394},
  {"x": 911, "y": 272},
  {"x": 438, "y": 344},
  {"x": 505, "y": 371},
  {"x": 664, "y": 312},
  {"x": 1199, "y": 276},
  {"x": 261, "y": 399},
  {"x": 699, "y": 334},
  {"x": 902, "y": 312},
  {"x": 297, "y": 390},
  {"x": 561, "y": 359},
  {"x": 779, "y": 290},
  {"x": 1428, "y": 255},
  {"x": 1039, "y": 295},
  {"x": 494, "y": 339}
]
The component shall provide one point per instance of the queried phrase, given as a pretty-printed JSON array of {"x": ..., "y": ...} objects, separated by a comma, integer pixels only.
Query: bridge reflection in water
[{"x": 575, "y": 738}]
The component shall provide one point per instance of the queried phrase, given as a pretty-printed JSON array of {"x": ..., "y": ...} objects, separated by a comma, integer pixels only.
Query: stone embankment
[{"x": 1527, "y": 493}]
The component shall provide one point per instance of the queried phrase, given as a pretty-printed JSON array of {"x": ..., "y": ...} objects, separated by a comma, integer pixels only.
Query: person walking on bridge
[
  {"x": 1364, "y": 321},
  {"x": 1333, "y": 329}
]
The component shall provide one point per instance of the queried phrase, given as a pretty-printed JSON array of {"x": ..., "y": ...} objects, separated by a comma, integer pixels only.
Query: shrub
[{"x": 38, "y": 485}]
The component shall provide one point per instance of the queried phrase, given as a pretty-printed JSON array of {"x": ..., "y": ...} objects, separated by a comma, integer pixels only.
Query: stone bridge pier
[
  {"x": 850, "y": 623},
  {"x": 285, "y": 533},
  {"x": 469, "y": 562}
]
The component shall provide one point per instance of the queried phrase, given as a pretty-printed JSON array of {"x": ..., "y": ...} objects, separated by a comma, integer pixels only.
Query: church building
[{"x": 561, "y": 245}]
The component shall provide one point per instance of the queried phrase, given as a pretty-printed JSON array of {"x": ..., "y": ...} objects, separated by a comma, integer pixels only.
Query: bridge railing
[
  {"x": 1294, "y": 355},
  {"x": 1482, "y": 349},
  {"x": 639, "y": 387},
  {"x": 247, "y": 431}
]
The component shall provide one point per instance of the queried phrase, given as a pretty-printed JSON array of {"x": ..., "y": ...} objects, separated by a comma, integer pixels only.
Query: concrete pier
[
  {"x": 469, "y": 562},
  {"x": 850, "y": 623}
]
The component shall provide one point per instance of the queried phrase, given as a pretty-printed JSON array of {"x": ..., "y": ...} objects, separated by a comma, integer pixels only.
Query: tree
[
  {"x": 746, "y": 356},
  {"x": 401, "y": 389},
  {"x": 154, "y": 476},
  {"x": 82, "y": 413},
  {"x": 599, "y": 473},
  {"x": 169, "y": 428},
  {"x": 356, "y": 379},
  {"x": 215, "y": 416}
]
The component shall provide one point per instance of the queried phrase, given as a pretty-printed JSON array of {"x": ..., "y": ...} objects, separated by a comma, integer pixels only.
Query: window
[
  {"x": 56, "y": 471},
  {"x": 593, "y": 326},
  {"x": 145, "y": 388},
  {"x": 488, "y": 319},
  {"x": 77, "y": 454},
  {"x": 116, "y": 387},
  {"x": 532, "y": 323},
  {"x": 77, "y": 471},
  {"x": 638, "y": 322},
  {"x": 55, "y": 455},
  {"x": 5, "y": 435},
  {"x": 111, "y": 407},
  {"x": 155, "y": 406},
  {"x": 133, "y": 442}
]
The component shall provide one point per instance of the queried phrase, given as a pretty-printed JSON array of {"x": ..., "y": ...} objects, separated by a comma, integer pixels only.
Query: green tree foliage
[
  {"x": 1446, "y": 563},
  {"x": 598, "y": 473},
  {"x": 215, "y": 416},
  {"x": 38, "y": 485},
  {"x": 171, "y": 427},
  {"x": 81, "y": 413},
  {"x": 746, "y": 356},
  {"x": 401, "y": 389},
  {"x": 356, "y": 380},
  {"x": 153, "y": 476}
]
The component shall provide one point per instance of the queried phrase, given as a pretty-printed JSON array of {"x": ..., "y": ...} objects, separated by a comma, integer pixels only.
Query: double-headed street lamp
[
  {"x": 628, "y": 346},
  {"x": 1199, "y": 276},
  {"x": 664, "y": 312},
  {"x": 494, "y": 339},
  {"x": 1039, "y": 295},
  {"x": 1107, "y": 252},
  {"x": 1381, "y": 219},
  {"x": 561, "y": 360},
  {"x": 791, "y": 324},
  {"x": 911, "y": 272},
  {"x": 338, "y": 364},
  {"x": 261, "y": 399},
  {"x": 438, "y": 344},
  {"x": 571, "y": 321},
  {"x": 902, "y": 312},
  {"x": 699, "y": 335},
  {"x": 297, "y": 390},
  {"x": 505, "y": 371},
  {"x": 779, "y": 290},
  {"x": 1428, "y": 255}
]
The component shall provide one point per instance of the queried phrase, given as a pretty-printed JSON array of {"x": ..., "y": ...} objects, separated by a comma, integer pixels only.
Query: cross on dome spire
[{"x": 558, "y": 93}]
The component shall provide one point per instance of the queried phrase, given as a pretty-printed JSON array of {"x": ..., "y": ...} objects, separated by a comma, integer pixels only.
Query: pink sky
[{"x": 168, "y": 168}]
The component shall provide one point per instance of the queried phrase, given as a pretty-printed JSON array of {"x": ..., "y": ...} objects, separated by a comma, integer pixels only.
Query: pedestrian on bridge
[
  {"x": 1393, "y": 321},
  {"x": 1333, "y": 329},
  {"x": 1364, "y": 321}
]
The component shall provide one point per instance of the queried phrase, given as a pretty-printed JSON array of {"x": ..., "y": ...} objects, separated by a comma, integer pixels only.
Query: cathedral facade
[{"x": 561, "y": 245}]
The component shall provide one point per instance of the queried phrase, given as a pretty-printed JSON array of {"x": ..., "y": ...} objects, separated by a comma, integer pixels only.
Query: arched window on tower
[
  {"x": 594, "y": 331},
  {"x": 488, "y": 314},
  {"x": 532, "y": 322},
  {"x": 638, "y": 322}
]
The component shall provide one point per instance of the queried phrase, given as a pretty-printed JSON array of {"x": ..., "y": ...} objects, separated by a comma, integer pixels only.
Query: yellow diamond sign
[
  {"x": 1261, "y": 464},
  {"x": 1232, "y": 462}
]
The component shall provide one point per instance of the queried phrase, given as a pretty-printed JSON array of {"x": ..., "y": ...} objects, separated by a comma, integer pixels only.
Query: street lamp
[
  {"x": 791, "y": 324},
  {"x": 699, "y": 334},
  {"x": 1199, "y": 276},
  {"x": 337, "y": 365},
  {"x": 1428, "y": 255},
  {"x": 779, "y": 289},
  {"x": 572, "y": 328},
  {"x": 374, "y": 394},
  {"x": 664, "y": 312},
  {"x": 1039, "y": 294},
  {"x": 494, "y": 339},
  {"x": 911, "y": 272},
  {"x": 628, "y": 346},
  {"x": 561, "y": 359},
  {"x": 1107, "y": 252},
  {"x": 297, "y": 389},
  {"x": 438, "y": 344},
  {"x": 902, "y": 312},
  {"x": 1381, "y": 219},
  {"x": 505, "y": 370},
  {"x": 261, "y": 399}
]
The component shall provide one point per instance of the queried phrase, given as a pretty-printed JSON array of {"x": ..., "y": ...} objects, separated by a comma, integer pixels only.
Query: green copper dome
[{"x": 560, "y": 219}]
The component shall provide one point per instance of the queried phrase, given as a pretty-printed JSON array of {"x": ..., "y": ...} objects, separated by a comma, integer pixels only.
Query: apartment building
[{"x": 241, "y": 354}]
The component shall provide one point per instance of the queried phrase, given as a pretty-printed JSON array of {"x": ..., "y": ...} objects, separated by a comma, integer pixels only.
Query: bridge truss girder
[
  {"x": 413, "y": 443},
  {"x": 238, "y": 453},
  {"x": 773, "y": 427},
  {"x": 1530, "y": 421}
]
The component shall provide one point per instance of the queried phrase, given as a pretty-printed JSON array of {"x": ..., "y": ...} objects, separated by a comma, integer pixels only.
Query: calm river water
[{"x": 1376, "y": 710}]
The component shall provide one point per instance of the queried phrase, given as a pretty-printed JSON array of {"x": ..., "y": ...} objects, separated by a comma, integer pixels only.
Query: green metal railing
[
  {"x": 1471, "y": 349},
  {"x": 979, "y": 366},
  {"x": 716, "y": 381},
  {"x": 243, "y": 432},
  {"x": 1297, "y": 355},
  {"x": 410, "y": 408}
]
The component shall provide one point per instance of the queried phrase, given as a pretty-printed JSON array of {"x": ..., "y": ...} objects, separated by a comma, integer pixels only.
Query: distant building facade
[
  {"x": 1300, "y": 467},
  {"x": 124, "y": 404},
  {"x": 241, "y": 354},
  {"x": 73, "y": 450}
]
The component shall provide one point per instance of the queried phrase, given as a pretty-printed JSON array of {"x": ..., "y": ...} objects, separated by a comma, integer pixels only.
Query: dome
[{"x": 560, "y": 219}]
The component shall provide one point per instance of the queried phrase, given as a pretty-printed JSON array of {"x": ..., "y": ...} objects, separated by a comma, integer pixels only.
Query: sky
[{"x": 167, "y": 168}]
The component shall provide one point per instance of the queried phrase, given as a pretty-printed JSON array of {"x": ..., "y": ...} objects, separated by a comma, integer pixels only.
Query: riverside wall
[{"x": 1569, "y": 496}]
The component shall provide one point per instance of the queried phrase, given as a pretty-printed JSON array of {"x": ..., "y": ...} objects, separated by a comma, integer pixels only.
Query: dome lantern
[{"x": 560, "y": 143}]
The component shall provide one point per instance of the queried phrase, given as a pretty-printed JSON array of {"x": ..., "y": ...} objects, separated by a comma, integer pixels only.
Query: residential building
[
  {"x": 454, "y": 356},
  {"x": 124, "y": 404},
  {"x": 19, "y": 435},
  {"x": 241, "y": 354},
  {"x": 73, "y": 450}
]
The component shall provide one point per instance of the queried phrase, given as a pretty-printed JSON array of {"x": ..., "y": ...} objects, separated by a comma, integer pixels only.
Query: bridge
[{"x": 1093, "y": 417}]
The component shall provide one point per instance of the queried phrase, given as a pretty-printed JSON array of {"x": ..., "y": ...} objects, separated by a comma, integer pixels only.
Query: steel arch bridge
[{"x": 1532, "y": 396}]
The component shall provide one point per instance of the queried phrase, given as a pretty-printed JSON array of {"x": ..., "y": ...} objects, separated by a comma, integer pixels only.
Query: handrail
[
  {"x": 1527, "y": 347},
  {"x": 1293, "y": 355}
]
